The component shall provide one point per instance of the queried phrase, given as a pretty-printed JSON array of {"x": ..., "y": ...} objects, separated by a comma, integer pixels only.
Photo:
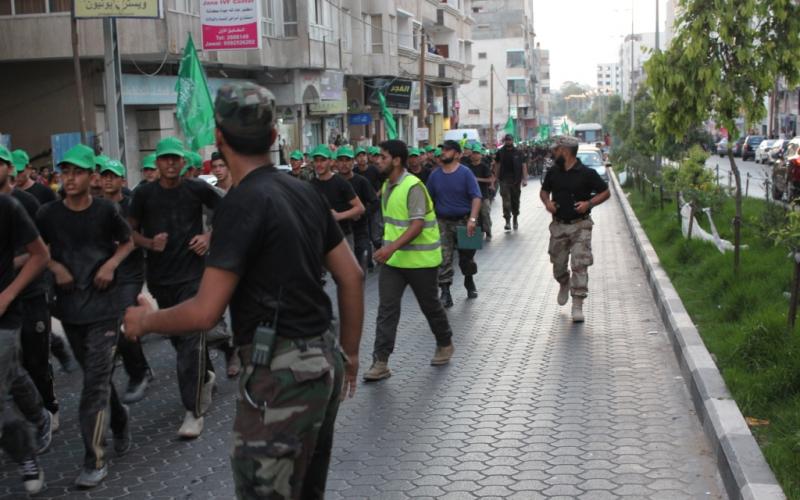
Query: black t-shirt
[
  {"x": 42, "y": 193},
  {"x": 373, "y": 175},
  {"x": 18, "y": 231},
  {"x": 567, "y": 188},
  {"x": 132, "y": 268},
  {"x": 481, "y": 171},
  {"x": 422, "y": 175},
  {"x": 179, "y": 213},
  {"x": 274, "y": 231},
  {"x": 339, "y": 194},
  {"x": 31, "y": 205},
  {"x": 510, "y": 165},
  {"x": 83, "y": 241},
  {"x": 366, "y": 194}
]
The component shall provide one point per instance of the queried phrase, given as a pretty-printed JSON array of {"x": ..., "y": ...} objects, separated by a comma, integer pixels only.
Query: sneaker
[
  {"x": 123, "y": 441},
  {"x": 89, "y": 478},
  {"x": 446, "y": 298},
  {"x": 577, "y": 310},
  {"x": 192, "y": 426},
  {"x": 378, "y": 371},
  {"x": 442, "y": 355},
  {"x": 507, "y": 227},
  {"x": 44, "y": 434},
  {"x": 563, "y": 293},
  {"x": 234, "y": 364},
  {"x": 32, "y": 476},
  {"x": 55, "y": 422},
  {"x": 469, "y": 284},
  {"x": 206, "y": 392},
  {"x": 136, "y": 390},
  {"x": 516, "y": 223}
]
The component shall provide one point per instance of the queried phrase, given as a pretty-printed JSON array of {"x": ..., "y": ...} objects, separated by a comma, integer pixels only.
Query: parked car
[
  {"x": 593, "y": 158},
  {"x": 777, "y": 149},
  {"x": 737, "y": 147},
  {"x": 786, "y": 170},
  {"x": 722, "y": 147},
  {"x": 750, "y": 145},
  {"x": 762, "y": 152}
]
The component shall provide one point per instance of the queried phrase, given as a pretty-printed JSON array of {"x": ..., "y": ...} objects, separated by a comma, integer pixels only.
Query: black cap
[
  {"x": 454, "y": 145},
  {"x": 508, "y": 137}
]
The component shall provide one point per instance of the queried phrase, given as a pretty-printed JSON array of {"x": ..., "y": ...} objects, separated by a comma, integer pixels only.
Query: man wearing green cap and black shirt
[
  {"x": 273, "y": 234},
  {"x": 483, "y": 174},
  {"x": 510, "y": 172},
  {"x": 167, "y": 219},
  {"x": 88, "y": 240},
  {"x": 344, "y": 203},
  {"x": 130, "y": 279},
  {"x": 415, "y": 166},
  {"x": 365, "y": 193},
  {"x": 299, "y": 170},
  {"x": 24, "y": 181},
  {"x": 149, "y": 170}
]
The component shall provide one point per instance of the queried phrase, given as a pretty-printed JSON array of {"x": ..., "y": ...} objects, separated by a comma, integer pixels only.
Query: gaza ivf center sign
[{"x": 230, "y": 24}]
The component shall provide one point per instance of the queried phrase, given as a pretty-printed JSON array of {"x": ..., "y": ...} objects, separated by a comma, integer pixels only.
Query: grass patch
[{"x": 742, "y": 319}]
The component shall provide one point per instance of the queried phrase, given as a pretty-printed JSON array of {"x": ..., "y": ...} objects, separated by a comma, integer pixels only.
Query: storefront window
[{"x": 29, "y": 6}]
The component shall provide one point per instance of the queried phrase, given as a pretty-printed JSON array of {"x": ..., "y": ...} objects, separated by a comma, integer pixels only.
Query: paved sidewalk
[{"x": 531, "y": 406}]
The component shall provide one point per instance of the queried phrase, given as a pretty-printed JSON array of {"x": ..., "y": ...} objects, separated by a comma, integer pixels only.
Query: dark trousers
[
  {"x": 510, "y": 192},
  {"x": 94, "y": 346},
  {"x": 131, "y": 352},
  {"x": 35, "y": 341},
  {"x": 362, "y": 249},
  {"x": 16, "y": 438},
  {"x": 192, "y": 352},
  {"x": 26, "y": 397},
  {"x": 391, "y": 285}
]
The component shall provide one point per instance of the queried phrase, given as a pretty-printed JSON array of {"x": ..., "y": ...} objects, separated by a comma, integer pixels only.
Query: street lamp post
[{"x": 658, "y": 50}]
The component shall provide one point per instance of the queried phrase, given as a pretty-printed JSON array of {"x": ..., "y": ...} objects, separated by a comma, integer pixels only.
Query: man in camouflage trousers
[
  {"x": 569, "y": 192},
  {"x": 272, "y": 236}
]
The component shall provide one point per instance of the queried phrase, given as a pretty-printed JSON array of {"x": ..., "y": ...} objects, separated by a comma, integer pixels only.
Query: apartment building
[
  {"x": 321, "y": 59},
  {"x": 641, "y": 45},
  {"x": 609, "y": 78}
]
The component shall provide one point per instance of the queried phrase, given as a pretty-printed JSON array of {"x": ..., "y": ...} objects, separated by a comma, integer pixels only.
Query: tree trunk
[
  {"x": 794, "y": 295},
  {"x": 691, "y": 222},
  {"x": 737, "y": 220}
]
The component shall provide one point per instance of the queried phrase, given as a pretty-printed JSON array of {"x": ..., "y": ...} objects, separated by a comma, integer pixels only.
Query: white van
[{"x": 458, "y": 134}]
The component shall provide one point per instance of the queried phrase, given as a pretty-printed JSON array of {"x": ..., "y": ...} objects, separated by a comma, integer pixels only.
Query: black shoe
[
  {"x": 136, "y": 390},
  {"x": 44, "y": 434},
  {"x": 469, "y": 284},
  {"x": 516, "y": 223},
  {"x": 488, "y": 236},
  {"x": 507, "y": 226},
  {"x": 123, "y": 440},
  {"x": 32, "y": 476},
  {"x": 447, "y": 299}
]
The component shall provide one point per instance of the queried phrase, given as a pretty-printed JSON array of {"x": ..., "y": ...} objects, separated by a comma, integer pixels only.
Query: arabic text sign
[
  {"x": 117, "y": 8},
  {"x": 230, "y": 24}
]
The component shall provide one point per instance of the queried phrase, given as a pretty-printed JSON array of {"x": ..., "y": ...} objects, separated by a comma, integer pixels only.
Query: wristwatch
[{"x": 473, "y": 219}]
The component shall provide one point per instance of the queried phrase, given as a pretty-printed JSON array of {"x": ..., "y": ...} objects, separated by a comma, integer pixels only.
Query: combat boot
[
  {"x": 516, "y": 223},
  {"x": 577, "y": 310},
  {"x": 563, "y": 293},
  {"x": 469, "y": 284},
  {"x": 446, "y": 298},
  {"x": 442, "y": 355},
  {"x": 507, "y": 227},
  {"x": 378, "y": 371}
]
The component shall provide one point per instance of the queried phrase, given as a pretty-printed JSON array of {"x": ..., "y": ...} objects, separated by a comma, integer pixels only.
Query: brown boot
[
  {"x": 442, "y": 355},
  {"x": 577, "y": 310}
]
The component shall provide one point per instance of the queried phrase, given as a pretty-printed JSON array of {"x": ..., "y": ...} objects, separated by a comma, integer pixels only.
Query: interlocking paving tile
[{"x": 531, "y": 407}]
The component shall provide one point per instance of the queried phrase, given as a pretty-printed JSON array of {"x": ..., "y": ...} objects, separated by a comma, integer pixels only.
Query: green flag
[
  {"x": 195, "y": 109},
  {"x": 391, "y": 125},
  {"x": 564, "y": 127},
  {"x": 544, "y": 132},
  {"x": 510, "y": 128}
]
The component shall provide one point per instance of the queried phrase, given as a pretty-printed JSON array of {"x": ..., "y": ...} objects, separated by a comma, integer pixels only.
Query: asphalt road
[{"x": 756, "y": 173}]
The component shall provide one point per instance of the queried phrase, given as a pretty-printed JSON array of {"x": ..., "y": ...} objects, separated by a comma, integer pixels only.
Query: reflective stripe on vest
[{"x": 424, "y": 251}]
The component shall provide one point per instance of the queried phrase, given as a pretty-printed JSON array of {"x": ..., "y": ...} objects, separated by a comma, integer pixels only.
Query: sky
[{"x": 581, "y": 34}]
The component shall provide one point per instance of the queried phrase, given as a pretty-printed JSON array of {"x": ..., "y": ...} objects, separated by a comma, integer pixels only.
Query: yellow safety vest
[{"x": 425, "y": 250}]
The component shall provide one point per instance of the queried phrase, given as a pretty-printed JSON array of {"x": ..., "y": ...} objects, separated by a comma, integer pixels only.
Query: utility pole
[
  {"x": 492, "y": 135},
  {"x": 423, "y": 49},
  {"x": 658, "y": 50},
  {"x": 76, "y": 62},
  {"x": 632, "y": 92}
]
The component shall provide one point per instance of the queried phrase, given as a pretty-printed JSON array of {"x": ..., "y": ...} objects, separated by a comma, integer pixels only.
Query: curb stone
[{"x": 742, "y": 466}]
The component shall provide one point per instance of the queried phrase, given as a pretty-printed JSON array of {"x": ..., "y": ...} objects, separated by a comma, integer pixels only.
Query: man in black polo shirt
[
  {"x": 345, "y": 205},
  {"x": 167, "y": 220},
  {"x": 483, "y": 174},
  {"x": 510, "y": 172},
  {"x": 569, "y": 191},
  {"x": 363, "y": 190},
  {"x": 273, "y": 234}
]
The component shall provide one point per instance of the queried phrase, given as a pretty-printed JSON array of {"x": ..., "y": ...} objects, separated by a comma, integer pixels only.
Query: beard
[{"x": 561, "y": 162}]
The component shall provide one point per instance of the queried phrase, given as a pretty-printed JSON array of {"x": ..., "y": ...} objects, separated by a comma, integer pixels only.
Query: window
[
  {"x": 60, "y": 5},
  {"x": 29, "y": 6},
  {"x": 481, "y": 55},
  {"x": 347, "y": 30},
  {"x": 415, "y": 35},
  {"x": 474, "y": 112},
  {"x": 483, "y": 83},
  {"x": 270, "y": 25},
  {"x": 5, "y": 7},
  {"x": 376, "y": 24},
  {"x": 315, "y": 12},
  {"x": 515, "y": 58},
  {"x": 367, "y": 29},
  {"x": 290, "y": 18},
  {"x": 517, "y": 86},
  {"x": 392, "y": 40}
]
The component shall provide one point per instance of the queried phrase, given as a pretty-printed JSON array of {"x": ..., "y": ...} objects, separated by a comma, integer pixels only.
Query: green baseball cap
[
  {"x": 413, "y": 152},
  {"x": 360, "y": 150},
  {"x": 185, "y": 169},
  {"x": 81, "y": 156},
  {"x": 114, "y": 167},
  {"x": 429, "y": 148},
  {"x": 296, "y": 155},
  {"x": 5, "y": 155},
  {"x": 437, "y": 152},
  {"x": 345, "y": 151},
  {"x": 20, "y": 160},
  {"x": 149, "y": 162},
  {"x": 475, "y": 147},
  {"x": 321, "y": 150},
  {"x": 194, "y": 159},
  {"x": 170, "y": 146},
  {"x": 101, "y": 161},
  {"x": 374, "y": 150}
]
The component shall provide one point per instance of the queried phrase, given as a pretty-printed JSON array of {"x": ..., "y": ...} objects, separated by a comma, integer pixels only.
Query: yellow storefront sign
[{"x": 118, "y": 8}]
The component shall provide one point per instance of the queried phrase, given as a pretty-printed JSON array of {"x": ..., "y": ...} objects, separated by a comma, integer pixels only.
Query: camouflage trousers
[
  {"x": 283, "y": 451},
  {"x": 572, "y": 244},
  {"x": 448, "y": 229}
]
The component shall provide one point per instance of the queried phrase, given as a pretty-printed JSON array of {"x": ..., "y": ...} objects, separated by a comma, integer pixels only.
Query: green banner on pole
[
  {"x": 195, "y": 108},
  {"x": 388, "y": 118}
]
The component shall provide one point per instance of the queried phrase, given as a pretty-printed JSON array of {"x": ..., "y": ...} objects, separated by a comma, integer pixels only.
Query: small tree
[
  {"x": 695, "y": 182},
  {"x": 789, "y": 236},
  {"x": 722, "y": 63}
]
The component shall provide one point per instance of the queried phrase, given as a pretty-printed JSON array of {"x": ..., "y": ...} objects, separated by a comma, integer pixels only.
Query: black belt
[
  {"x": 572, "y": 221},
  {"x": 453, "y": 219}
]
